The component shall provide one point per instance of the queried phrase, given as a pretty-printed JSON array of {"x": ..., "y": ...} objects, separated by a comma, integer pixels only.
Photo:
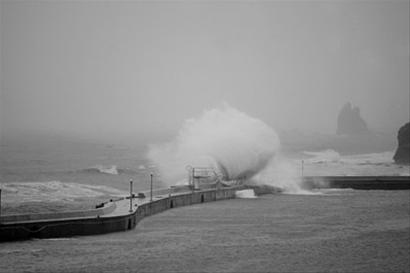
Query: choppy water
[
  {"x": 330, "y": 230},
  {"x": 336, "y": 231},
  {"x": 53, "y": 174},
  {"x": 330, "y": 162}
]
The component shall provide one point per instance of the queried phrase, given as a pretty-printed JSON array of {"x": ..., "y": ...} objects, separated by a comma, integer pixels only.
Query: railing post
[
  {"x": 151, "y": 186},
  {"x": 131, "y": 195},
  {"x": 0, "y": 206},
  {"x": 193, "y": 179}
]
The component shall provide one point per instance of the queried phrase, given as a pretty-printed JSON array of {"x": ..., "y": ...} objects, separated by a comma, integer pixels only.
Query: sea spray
[
  {"x": 281, "y": 173},
  {"x": 230, "y": 141},
  {"x": 236, "y": 145},
  {"x": 249, "y": 193}
]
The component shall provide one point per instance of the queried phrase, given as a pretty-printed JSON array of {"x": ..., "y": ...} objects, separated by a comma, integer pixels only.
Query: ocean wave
[
  {"x": 112, "y": 170},
  {"x": 330, "y": 162},
  {"x": 53, "y": 191},
  {"x": 332, "y": 156},
  {"x": 102, "y": 169},
  {"x": 385, "y": 158},
  {"x": 323, "y": 156}
]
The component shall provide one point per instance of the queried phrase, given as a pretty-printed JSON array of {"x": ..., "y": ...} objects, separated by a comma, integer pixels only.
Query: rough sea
[
  {"x": 326, "y": 231},
  {"x": 58, "y": 173}
]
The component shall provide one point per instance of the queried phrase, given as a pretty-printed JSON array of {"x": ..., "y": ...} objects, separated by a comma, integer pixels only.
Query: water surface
[{"x": 338, "y": 231}]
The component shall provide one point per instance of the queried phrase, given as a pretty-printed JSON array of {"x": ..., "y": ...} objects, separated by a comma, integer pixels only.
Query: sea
[
  {"x": 54, "y": 173},
  {"x": 332, "y": 230},
  {"x": 336, "y": 231}
]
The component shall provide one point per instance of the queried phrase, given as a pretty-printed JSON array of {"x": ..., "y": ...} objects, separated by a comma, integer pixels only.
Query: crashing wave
[{"x": 225, "y": 139}]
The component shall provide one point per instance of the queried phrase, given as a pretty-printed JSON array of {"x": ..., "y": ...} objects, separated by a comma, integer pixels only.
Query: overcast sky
[{"x": 129, "y": 67}]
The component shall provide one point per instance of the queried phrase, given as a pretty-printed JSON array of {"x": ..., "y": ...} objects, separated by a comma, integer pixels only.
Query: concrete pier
[
  {"x": 114, "y": 216},
  {"x": 117, "y": 215},
  {"x": 358, "y": 182}
]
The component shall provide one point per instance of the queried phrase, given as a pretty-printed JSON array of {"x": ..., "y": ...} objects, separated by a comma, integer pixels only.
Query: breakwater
[
  {"x": 358, "y": 182},
  {"x": 115, "y": 216},
  {"x": 118, "y": 215}
]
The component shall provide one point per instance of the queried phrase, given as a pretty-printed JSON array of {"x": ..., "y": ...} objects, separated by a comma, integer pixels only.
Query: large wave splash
[{"x": 233, "y": 143}]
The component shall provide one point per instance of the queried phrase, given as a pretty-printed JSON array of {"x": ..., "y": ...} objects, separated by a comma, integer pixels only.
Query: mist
[
  {"x": 225, "y": 139},
  {"x": 141, "y": 68}
]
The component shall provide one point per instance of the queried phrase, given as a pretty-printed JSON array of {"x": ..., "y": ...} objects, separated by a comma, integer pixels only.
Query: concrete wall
[
  {"x": 180, "y": 200},
  {"x": 65, "y": 228},
  {"x": 98, "y": 225},
  {"x": 359, "y": 182}
]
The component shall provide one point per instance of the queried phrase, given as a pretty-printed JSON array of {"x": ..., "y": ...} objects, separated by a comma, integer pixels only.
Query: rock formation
[
  {"x": 402, "y": 154},
  {"x": 349, "y": 121}
]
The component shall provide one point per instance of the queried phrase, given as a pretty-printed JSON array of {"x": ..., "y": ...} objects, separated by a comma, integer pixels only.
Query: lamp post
[
  {"x": 0, "y": 206},
  {"x": 193, "y": 180},
  {"x": 151, "y": 186},
  {"x": 131, "y": 195},
  {"x": 302, "y": 167}
]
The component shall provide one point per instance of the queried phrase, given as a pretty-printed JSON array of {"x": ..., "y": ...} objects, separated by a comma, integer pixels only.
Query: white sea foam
[
  {"x": 330, "y": 162},
  {"x": 323, "y": 156},
  {"x": 107, "y": 169},
  {"x": 238, "y": 146},
  {"x": 249, "y": 193},
  {"x": 332, "y": 156},
  {"x": 233, "y": 143},
  {"x": 372, "y": 158},
  {"x": 281, "y": 173}
]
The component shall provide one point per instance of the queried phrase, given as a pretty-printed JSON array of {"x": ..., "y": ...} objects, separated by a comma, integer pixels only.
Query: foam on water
[
  {"x": 372, "y": 158},
  {"x": 245, "y": 194},
  {"x": 330, "y": 162},
  {"x": 332, "y": 156},
  {"x": 323, "y": 156},
  {"x": 103, "y": 169},
  {"x": 284, "y": 174}
]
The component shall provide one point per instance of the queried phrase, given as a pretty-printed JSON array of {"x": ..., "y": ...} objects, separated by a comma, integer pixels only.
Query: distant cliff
[
  {"x": 349, "y": 121},
  {"x": 402, "y": 154}
]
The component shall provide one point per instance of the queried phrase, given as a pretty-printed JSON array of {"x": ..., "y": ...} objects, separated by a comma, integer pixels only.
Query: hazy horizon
[{"x": 127, "y": 68}]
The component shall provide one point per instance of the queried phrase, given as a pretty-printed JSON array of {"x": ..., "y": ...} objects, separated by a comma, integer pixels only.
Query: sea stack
[
  {"x": 402, "y": 155},
  {"x": 349, "y": 121}
]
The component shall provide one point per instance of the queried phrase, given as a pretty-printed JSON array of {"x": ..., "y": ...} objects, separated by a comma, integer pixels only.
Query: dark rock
[
  {"x": 402, "y": 155},
  {"x": 349, "y": 121}
]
